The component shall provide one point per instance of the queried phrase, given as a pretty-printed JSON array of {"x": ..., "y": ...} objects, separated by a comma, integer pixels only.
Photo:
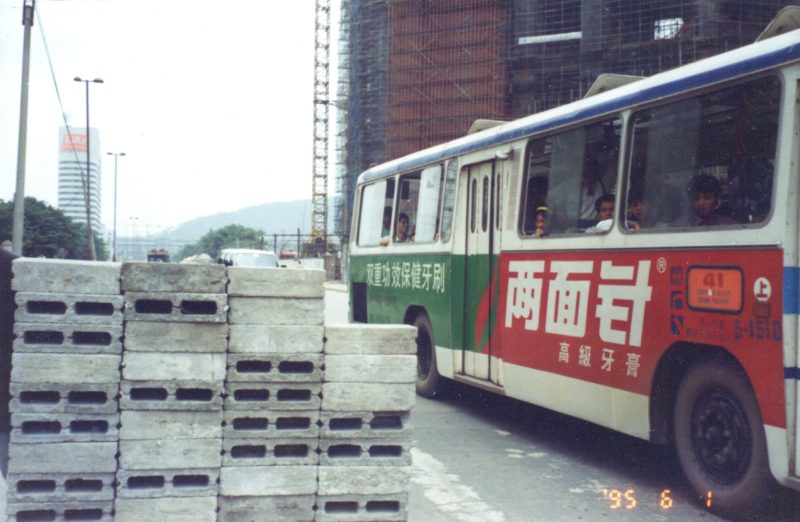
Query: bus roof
[{"x": 773, "y": 52}]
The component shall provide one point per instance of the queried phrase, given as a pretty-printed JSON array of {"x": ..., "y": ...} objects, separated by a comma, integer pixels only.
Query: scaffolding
[
  {"x": 446, "y": 69},
  {"x": 362, "y": 98},
  {"x": 415, "y": 73}
]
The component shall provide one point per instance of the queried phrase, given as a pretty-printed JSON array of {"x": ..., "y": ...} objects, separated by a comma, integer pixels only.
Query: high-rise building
[
  {"x": 74, "y": 187},
  {"x": 415, "y": 73}
]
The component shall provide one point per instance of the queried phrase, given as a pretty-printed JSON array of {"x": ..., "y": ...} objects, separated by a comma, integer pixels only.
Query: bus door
[{"x": 480, "y": 287}]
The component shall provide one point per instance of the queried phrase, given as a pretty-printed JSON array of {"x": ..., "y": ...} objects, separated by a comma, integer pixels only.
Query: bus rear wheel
[
  {"x": 428, "y": 379},
  {"x": 719, "y": 439}
]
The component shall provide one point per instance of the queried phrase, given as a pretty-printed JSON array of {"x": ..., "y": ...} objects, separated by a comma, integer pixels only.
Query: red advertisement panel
[{"x": 609, "y": 317}]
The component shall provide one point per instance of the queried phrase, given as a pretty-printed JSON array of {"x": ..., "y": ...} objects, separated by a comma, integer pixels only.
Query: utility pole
[
  {"x": 114, "y": 240},
  {"x": 19, "y": 193},
  {"x": 88, "y": 185}
]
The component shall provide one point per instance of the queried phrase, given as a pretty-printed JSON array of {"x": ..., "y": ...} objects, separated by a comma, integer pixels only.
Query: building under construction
[{"x": 414, "y": 73}]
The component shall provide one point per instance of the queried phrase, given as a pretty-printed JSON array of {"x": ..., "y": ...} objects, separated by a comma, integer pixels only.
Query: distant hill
[{"x": 283, "y": 217}]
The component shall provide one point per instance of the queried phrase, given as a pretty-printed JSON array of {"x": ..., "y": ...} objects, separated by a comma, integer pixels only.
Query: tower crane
[{"x": 319, "y": 183}]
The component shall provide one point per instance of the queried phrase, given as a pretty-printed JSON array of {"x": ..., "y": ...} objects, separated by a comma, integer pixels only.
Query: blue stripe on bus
[
  {"x": 743, "y": 67},
  {"x": 791, "y": 373},
  {"x": 791, "y": 296}
]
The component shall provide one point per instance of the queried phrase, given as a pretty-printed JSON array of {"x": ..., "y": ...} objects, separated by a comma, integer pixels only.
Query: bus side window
[
  {"x": 406, "y": 216},
  {"x": 705, "y": 161},
  {"x": 375, "y": 213},
  {"x": 426, "y": 229},
  {"x": 566, "y": 175}
]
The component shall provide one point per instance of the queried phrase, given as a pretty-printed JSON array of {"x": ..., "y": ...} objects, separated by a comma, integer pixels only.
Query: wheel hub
[{"x": 720, "y": 436}]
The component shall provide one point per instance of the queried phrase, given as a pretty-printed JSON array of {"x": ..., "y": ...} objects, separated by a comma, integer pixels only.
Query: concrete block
[
  {"x": 268, "y": 424},
  {"x": 60, "y": 487},
  {"x": 276, "y": 311},
  {"x": 137, "y": 425},
  {"x": 371, "y": 368},
  {"x": 168, "y": 483},
  {"x": 181, "y": 307},
  {"x": 365, "y": 452},
  {"x": 268, "y": 481},
  {"x": 273, "y": 396},
  {"x": 363, "y": 480},
  {"x": 169, "y": 454},
  {"x": 63, "y": 398},
  {"x": 353, "y": 396},
  {"x": 63, "y": 457},
  {"x": 65, "y": 368},
  {"x": 99, "y": 511},
  {"x": 47, "y": 428},
  {"x": 173, "y": 277},
  {"x": 365, "y": 425},
  {"x": 257, "y": 338},
  {"x": 156, "y": 366},
  {"x": 171, "y": 395},
  {"x": 39, "y": 307},
  {"x": 264, "y": 367},
  {"x": 257, "y": 282},
  {"x": 362, "y": 508},
  {"x": 67, "y": 338},
  {"x": 298, "y": 508},
  {"x": 168, "y": 509},
  {"x": 154, "y": 336},
  {"x": 370, "y": 339},
  {"x": 270, "y": 452},
  {"x": 65, "y": 276}
]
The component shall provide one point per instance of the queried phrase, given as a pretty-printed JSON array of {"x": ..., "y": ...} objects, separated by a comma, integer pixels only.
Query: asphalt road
[{"x": 485, "y": 458}]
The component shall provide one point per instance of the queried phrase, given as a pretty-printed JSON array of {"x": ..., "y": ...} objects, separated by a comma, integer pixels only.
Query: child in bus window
[
  {"x": 705, "y": 192},
  {"x": 541, "y": 220}
]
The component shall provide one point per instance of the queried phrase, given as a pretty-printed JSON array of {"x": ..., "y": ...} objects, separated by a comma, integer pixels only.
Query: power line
[{"x": 83, "y": 174}]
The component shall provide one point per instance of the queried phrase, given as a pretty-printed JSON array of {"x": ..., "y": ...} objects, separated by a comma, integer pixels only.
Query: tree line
[{"x": 48, "y": 232}]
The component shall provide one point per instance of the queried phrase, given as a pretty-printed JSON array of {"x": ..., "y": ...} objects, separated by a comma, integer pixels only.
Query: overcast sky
[{"x": 211, "y": 101}]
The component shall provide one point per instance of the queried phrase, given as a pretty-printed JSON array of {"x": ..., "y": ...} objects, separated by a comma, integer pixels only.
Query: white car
[{"x": 248, "y": 257}]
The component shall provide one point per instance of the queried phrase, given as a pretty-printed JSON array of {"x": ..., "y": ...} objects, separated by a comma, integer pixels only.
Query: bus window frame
[
  {"x": 360, "y": 215},
  {"x": 454, "y": 191},
  {"x": 522, "y": 199},
  {"x": 628, "y": 137}
]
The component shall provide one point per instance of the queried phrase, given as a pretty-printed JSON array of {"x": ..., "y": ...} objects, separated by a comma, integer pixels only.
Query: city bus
[{"x": 672, "y": 317}]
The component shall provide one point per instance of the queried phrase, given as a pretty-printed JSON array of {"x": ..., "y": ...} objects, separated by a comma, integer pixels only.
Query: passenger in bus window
[
  {"x": 604, "y": 208},
  {"x": 705, "y": 192},
  {"x": 541, "y": 221},
  {"x": 387, "y": 221},
  {"x": 637, "y": 207},
  {"x": 536, "y": 198},
  {"x": 591, "y": 188},
  {"x": 386, "y": 226},
  {"x": 402, "y": 232}
]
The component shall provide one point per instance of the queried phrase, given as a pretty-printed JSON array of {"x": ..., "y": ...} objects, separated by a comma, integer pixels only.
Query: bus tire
[
  {"x": 428, "y": 379},
  {"x": 719, "y": 438}
]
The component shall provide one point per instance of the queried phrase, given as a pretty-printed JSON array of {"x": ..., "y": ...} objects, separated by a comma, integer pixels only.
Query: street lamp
[
  {"x": 114, "y": 240},
  {"x": 89, "y": 237}
]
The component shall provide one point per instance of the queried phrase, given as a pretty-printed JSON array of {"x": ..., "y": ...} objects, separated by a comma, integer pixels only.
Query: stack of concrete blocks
[
  {"x": 171, "y": 392},
  {"x": 272, "y": 401},
  {"x": 64, "y": 389},
  {"x": 365, "y": 437}
]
